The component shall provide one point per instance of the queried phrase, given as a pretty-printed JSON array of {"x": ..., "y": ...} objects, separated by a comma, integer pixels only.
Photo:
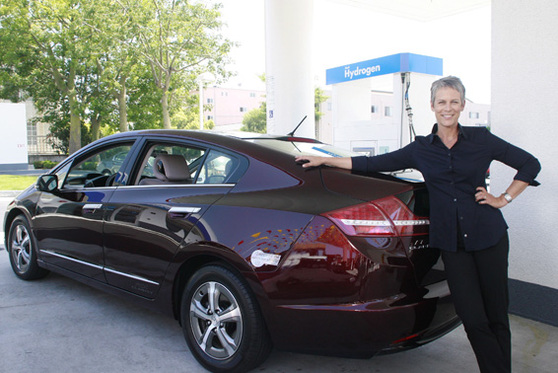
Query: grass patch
[{"x": 16, "y": 182}]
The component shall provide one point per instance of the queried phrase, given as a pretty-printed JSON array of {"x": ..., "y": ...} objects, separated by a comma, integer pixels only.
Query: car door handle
[
  {"x": 91, "y": 207},
  {"x": 182, "y": 212}
]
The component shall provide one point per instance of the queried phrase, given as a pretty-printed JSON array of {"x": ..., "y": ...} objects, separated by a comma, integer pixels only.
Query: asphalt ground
[{"x": 60, "y": 325}]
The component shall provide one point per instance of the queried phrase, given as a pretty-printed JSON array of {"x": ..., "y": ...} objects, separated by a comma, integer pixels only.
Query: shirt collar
[{"x": 434, "y": 132}]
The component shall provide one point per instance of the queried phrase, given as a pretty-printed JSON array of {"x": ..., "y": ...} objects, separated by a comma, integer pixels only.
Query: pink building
[{"x": 227, "y": 106}]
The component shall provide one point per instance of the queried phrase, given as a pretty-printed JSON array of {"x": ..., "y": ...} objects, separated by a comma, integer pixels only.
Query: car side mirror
[{"x": 47, "y": 183}]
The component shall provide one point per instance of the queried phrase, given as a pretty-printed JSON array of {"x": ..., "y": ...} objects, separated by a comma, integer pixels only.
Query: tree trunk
[
  {"x": 122, "y": 108},
  {"x": 75, "y": 132},
  {"x": 95, "y": 127},
  {"x": 75, "y": 122},
  {"x": 165, "y": 107}
]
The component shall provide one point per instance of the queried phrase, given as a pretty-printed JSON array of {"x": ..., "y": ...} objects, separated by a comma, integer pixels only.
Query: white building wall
[
  {"x": 352, "y": 118},
  {"x": 13, "y": 135},
  {"x": 475, "y": 114},
  {"x": 524, "y": 81},
  {"x": 382, "y": 115}
]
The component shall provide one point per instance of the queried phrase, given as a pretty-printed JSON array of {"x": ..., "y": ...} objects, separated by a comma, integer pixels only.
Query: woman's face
[{"x": 447, "y": 107}]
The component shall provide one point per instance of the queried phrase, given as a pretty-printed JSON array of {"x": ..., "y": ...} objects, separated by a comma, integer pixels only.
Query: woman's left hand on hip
[{"x": 484, "y": 198}]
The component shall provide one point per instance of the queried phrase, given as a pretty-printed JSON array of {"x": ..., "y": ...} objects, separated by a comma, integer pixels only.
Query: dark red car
[{"x": 243, "y": 246}]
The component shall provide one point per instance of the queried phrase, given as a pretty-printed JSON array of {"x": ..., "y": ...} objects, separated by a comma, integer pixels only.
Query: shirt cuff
[
  {"x": 359, "y": 163},
  {"x": 527, "y": 179}
]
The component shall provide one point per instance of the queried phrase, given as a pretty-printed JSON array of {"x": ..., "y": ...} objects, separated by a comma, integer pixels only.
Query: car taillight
[{"x": 384, "y": 217}]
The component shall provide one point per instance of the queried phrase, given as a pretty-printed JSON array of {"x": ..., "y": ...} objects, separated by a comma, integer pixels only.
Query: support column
[{"x": 289, "y": 77}]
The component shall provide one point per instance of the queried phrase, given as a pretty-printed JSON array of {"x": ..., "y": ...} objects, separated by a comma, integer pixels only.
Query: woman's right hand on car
[{"x": 314, "y": 161}]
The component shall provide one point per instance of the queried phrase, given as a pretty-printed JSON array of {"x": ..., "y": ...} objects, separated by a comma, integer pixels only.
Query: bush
[{"x": 44, "y": 164}]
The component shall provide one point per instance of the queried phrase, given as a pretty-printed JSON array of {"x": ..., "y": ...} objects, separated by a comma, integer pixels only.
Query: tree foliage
[
  {"x": 319, "y": 99},
  {"x": 101, "y": 66},
  {"x": 179, "y": 41},
  {"x": 49, "y": 34},
  {"x": 187, "y": 117},
  {"x": 256, "y": 120}
]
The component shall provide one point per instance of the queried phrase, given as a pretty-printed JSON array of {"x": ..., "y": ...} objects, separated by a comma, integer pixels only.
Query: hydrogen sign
[{"x": 402, "y": 62}]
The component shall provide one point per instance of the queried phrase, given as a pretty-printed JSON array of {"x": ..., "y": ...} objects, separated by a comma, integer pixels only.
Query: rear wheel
[
  {"x": 22, "y": 250},
  {"x": 222, "y": 322}
]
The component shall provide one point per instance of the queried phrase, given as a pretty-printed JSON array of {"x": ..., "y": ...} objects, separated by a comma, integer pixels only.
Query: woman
[{"x": 466, "y": 222}]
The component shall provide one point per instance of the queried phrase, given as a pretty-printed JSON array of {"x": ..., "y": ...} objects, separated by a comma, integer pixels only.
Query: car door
[
  {"x": 148, "y": 219},
  {"x": 69, "y": 220}
]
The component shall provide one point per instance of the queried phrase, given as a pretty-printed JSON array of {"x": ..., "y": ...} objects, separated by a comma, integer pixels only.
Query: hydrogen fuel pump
[{"x": 407, "y": 97}]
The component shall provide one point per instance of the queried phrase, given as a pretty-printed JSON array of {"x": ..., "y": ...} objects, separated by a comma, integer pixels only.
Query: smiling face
[{"x": 447, "y": 107}]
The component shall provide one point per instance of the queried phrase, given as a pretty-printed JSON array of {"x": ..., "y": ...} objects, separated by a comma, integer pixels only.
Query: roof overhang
[{"x": 420, "y": 10}]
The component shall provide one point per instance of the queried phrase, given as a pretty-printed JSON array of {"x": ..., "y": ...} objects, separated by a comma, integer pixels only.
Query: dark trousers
[{"x": 478, "y": 282}]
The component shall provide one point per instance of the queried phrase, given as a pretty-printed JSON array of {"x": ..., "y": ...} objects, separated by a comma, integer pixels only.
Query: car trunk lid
[{"x": 409, "y": 217}]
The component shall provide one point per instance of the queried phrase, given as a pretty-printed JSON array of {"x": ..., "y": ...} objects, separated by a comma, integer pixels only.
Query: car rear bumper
[{"x": 362, "y": 330}]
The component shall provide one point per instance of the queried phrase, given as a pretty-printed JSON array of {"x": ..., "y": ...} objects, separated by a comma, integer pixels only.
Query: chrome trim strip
[
  {"x": 115, "y": 272},
  {"x": 71, "y": 259},
  {"x": 176, "y": 186},
  {"x": 184, "y": 210},
  {"x": 99, "y": 267},
  {"x": 73, "y": 188}
]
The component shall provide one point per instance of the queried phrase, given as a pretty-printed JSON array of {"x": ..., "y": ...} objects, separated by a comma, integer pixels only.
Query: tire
[
  {"x": 22, "y": 249},
  {"x": 228, "y": 334}
]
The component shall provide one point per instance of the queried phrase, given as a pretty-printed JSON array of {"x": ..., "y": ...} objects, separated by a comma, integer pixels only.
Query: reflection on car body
[{"x": 247, "y": 249}]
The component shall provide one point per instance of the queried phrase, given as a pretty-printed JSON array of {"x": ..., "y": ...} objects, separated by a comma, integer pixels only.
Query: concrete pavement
[{"x": 59, "y": 325}]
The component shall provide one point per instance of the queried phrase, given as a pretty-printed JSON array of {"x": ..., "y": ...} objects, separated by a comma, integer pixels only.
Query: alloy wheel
[
  {"x": 216, "y": 320},
  {"x": 20, "y": 247}
]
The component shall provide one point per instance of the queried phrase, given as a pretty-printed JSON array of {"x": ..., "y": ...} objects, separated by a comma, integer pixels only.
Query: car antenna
[{"x": 293, "y": 131}]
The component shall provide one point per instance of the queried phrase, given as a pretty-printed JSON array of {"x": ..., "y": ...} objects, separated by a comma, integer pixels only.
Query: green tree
[
  {"x": 90, "y": 67},
  {"x": 124, "y": 72},
  {"x": 50, "y": 33},
  {"x": 187, "y": 116},
  {"x": 115, "y": 55},
  {"x": 179, "y": 40},
  {"x": 256, "y": 119},
  {"x": 48, "y": 45},
  {"x": 319, "y": 99}
]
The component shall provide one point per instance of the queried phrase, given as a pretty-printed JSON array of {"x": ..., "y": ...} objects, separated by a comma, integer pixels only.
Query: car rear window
[
  {"x": 303, "y": 147},
  {"x": 320, "y": 149}
]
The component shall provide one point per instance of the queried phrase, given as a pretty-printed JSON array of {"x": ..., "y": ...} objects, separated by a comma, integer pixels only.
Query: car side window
[
  {"x": 97, "y": 169},
  {"x": 170, "y": 164},
  {"x": 217, "y": 168}
]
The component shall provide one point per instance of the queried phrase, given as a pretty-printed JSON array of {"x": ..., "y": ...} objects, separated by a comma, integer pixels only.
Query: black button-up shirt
[{"x": 452, "y": 177}]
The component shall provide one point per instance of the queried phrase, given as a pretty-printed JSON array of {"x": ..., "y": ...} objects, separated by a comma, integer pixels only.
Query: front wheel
[
  {"x": 22, "y": 250},
  {"x": 222, "y": 322}
]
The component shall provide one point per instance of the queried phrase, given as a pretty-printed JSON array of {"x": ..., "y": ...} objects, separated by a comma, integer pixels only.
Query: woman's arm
[
  {"x": 393, "y": 161},
  {"x": 514, "y": 190},
  {"x": 525, "y": 163},
  {"x": 313, "y": 161}
]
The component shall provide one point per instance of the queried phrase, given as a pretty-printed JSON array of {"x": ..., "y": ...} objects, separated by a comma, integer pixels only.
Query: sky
[{"x": 344, "y": 34}]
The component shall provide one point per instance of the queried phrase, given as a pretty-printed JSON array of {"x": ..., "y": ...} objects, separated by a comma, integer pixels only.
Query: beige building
[{"x": 226, "y": 107}]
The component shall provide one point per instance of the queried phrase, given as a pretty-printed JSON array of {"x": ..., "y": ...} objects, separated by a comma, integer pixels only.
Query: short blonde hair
[{"x": 448, "y": 81}]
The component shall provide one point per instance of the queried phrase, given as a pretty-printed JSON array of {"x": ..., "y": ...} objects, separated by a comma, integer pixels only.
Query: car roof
[
  {"x": 237, "y": 141},
  {"x": 212, "y": 135}
]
